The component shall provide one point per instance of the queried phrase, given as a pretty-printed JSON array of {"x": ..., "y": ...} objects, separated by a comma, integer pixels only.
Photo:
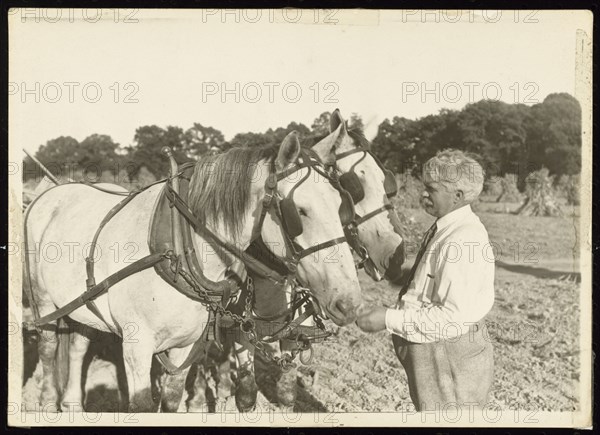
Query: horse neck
[{"x": 215, "y": 261}]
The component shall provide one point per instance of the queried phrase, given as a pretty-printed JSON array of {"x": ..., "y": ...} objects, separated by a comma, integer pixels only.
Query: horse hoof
[
  {"x": 286, "y": 388},
  {"x": 71, "y": 406},
  {"x": 246, "y": 392},
  {"x": 49, "y": 400}
]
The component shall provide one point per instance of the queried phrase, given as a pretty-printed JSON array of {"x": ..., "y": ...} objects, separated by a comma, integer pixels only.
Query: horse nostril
[{"x": 343, "y": 305}]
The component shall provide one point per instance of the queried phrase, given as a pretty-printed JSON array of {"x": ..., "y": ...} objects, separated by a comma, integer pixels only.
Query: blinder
[
  {"x": 290, "y": 217},
  {"x": 351, "y": 184},
  {"x": 389, "y": 183},
  {"x": 346, "y": 208}
]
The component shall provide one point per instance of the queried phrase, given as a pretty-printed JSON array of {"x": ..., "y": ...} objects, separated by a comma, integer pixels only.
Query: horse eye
[{"x": 302, "y": 212}]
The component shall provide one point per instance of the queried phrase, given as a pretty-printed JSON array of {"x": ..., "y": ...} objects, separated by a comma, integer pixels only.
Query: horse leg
[
  {"x": 73, "y": 395},
  {"x": 286, "y": 383},
  {"x": 281, "y": 384},
  {"x": 48, "y": 343},
  {"x": 246, "y": 389},
  {"x": 216, "y": 367},
  {"x": 173, "y": 386},
  {"x": 224, "y": 381},
  {"x": 47, "y": 346},
  {"x": 198, "y": 402},
  {"x": 138, "y": 363}
]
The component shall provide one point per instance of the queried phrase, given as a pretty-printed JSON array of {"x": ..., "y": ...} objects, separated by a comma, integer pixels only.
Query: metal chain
[{"x": 247, "y": 324}]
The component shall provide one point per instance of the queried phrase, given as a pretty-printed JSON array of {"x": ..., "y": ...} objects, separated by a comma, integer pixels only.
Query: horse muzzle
[
  {"x": 342, "y": 311},
  {"x": 393, "y": 271}
]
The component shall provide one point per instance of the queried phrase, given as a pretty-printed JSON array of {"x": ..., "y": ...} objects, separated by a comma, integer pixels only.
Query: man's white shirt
[{"x": 453, "y": 286}]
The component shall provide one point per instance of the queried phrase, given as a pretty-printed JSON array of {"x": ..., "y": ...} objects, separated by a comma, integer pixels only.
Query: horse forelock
[
  {"x": 307, "y": 148},
  {"x": 220, "y": 186},
  {"x": 358, "y": 136}
]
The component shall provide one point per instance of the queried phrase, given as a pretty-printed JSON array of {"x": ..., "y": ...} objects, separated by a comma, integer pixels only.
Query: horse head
[
  {"x": 282, "y": 195},
  {"x": 371, "y": 187},
  {"x": 309, "y": 217}
]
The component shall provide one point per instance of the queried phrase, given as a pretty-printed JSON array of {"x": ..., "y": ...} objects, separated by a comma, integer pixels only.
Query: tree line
[{"x": 508, "y": 138}]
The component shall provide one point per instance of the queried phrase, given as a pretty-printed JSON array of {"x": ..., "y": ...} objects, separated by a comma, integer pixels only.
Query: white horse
[
  {"x": 160, "y": 317},
  {"x": 379, "y": 233}
]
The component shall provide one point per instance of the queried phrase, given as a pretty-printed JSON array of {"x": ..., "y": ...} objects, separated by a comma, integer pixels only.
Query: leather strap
[
  {"x": 287, "y": 332},
  {"x": 101, "y": 288},
  {"x": 320, "y": 246},
  {"x": 89, "y": 261},
  {"x": 289, "y": 311},
  {"x": 252, "y": 263},
  {"x": 360, "y": 220}
]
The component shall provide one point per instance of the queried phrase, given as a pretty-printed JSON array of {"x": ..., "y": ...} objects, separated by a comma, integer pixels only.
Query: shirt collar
[{"x": 454, "y": 216}]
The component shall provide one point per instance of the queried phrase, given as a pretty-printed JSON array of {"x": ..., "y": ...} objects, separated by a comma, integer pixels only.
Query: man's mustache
[{"x": 425, "y": 201}]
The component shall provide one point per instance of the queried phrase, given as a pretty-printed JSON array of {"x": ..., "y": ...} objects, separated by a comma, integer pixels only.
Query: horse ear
[
  {"x": 326, "y": 147},
  {"x": 288, "y": 151},
  {"x": 336, "y": 120}
]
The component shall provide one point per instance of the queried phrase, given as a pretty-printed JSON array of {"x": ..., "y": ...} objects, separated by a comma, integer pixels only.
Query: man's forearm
[{"x": 425, "y": 325}]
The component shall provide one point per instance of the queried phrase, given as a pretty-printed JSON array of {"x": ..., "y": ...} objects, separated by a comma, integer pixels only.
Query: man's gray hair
[{"x": 456, "y": 170}]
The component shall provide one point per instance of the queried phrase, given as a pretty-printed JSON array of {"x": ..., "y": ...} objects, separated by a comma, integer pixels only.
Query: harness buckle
[
  {"x": 306, "y": 355},
  {"x": 286, "y": 363},
  {"x": 364, "y": 255},
  {"x": 175, "y": 265},
  {"x": 352, "y": 229},
  {"x": 247, "y": 326},
  {"x": 302, "y": 342},
  {"x": 292, "y": 266},
  {"x": 268, "y": 197}
]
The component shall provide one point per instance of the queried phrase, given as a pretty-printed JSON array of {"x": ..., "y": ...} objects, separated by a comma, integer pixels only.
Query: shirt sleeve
[{"x": 466, "y": 280}]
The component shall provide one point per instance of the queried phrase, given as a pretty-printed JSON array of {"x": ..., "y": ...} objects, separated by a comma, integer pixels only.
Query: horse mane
[{"x": 220, "y": 186}]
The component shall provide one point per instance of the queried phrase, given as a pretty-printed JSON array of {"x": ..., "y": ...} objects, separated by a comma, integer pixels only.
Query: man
[{"x": 437, "y": 323}]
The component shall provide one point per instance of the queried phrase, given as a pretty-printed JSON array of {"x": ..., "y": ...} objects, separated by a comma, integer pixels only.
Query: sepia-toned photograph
[{"x": 300, "y": 217}]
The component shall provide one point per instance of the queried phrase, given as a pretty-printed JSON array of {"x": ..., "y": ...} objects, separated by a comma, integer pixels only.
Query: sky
[{"x": 78, "y": 72}]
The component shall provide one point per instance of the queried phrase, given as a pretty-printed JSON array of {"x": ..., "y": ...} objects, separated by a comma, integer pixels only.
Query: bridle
[
  {"x": 286, "y": 212},
  {"x": 389, "y": 183},
  {"x": 350, "y": 182}
]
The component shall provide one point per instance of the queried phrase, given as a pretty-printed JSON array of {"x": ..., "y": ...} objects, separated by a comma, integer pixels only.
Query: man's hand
[{"x": 371, "y": 319}]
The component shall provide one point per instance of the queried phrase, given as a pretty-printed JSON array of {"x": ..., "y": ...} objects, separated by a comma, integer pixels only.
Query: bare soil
[{"x": 534, "y": 326}]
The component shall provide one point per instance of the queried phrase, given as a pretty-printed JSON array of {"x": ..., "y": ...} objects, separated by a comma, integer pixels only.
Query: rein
[
  {"x": 272, "y": 200},
  {"x": 291, "y": 329},
  {"x": 218, "y": 310}
]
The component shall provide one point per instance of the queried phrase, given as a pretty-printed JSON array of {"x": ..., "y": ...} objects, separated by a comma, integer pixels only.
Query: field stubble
[{"x": 534, "y": 326}]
